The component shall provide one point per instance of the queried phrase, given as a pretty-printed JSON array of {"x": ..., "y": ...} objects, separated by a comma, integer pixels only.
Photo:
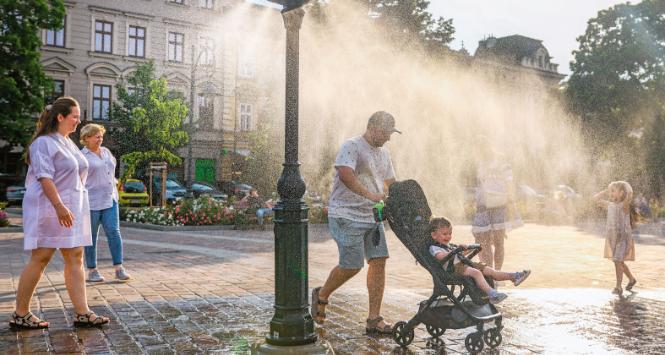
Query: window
[
  {"x": 207, "y": 51},
  {"x": 181, "y": 2},
  {"x": 103, "y": 37},
  {"x": 136, "y": 43},
  {"x": 56, "y": 37},
  {"x": 176, "y": 44},
  {"x": 58, "y": 91},
  {"x": 206, "y": 107},
  {"x": 246, "y": 65},
  {"x": 245, "y": 117},
  {"x": 101, "y": 101},
  {"x": 207, "y": 4}
]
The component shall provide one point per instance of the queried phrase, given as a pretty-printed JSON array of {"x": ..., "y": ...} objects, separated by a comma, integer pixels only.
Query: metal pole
[
  {"x": 292, "y": 323},
  {"x": 192, "y": 101}
]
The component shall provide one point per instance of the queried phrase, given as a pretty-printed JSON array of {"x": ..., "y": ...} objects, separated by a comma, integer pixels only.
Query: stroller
[{"x": 456, "y": 301}]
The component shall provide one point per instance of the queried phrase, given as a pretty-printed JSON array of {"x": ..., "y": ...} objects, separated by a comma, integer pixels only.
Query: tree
[
  {"x": 618, "y": 73},
  {"x": 23, "y": 83},
  {"x": 617, "y": 88},
  {"x": 409, "y": 19},
  {"x": 407, "y": 22},
  {"x": 263, "y": 166},
  {"x": 151, "y": 120}
]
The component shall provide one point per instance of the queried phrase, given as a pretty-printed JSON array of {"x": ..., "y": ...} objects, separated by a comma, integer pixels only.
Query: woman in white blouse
[
  {"x": 103, "y": 196},
  {"x": 55, "y": 213}
]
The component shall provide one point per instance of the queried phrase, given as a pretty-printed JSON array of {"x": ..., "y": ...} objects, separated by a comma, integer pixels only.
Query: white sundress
[
  {"x": 619, "y": 242},
  {"x": 57, "y": 158}
]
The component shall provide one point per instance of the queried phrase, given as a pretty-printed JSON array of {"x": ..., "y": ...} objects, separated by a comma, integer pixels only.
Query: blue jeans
[
  {"x": 110, "y": 221},
  {"x": 261, "y": 212}
]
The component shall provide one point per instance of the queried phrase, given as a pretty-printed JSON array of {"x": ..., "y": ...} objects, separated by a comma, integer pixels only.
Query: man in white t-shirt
[{"x": 364, "y": 173}]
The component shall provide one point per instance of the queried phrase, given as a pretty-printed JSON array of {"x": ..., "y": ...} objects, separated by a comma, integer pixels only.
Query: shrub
[
  {"x": 203, "y": 211},
  {"x": 4, "y": 221},
  {"x": 163, "y": 216},
  {"x": 318, "y": 214}
]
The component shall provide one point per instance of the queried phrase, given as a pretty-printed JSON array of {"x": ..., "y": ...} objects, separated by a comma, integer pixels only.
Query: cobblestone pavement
[{"x": 212, "y": 292}]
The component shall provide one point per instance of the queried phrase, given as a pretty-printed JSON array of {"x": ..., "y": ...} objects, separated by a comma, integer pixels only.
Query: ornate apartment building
[
  {"x": 210, "y": 42},
  {"x": 513, "y": 58}
]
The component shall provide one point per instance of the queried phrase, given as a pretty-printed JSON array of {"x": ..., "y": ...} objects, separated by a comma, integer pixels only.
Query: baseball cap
[{"x": 383, "y": 120}]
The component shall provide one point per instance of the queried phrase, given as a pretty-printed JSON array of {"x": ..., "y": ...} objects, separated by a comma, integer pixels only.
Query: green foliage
[
  {"x": 619, "y": 69},
  {"x": 617, "y": 87},
  {"x": 162, "y": 216},
  {"x": 407, "y": 22},
  {"x": 654, "y": 143},
  {"x": 264, "y": 165},
  {"x": 151, "y": 119},
  {"x": 203, "y": 211},
  {"x": 409, "y": 19},
  {"x": 23, "y": 83}
]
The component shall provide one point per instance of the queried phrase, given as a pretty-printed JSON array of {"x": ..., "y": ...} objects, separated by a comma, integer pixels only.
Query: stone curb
[
  {"x": 175, "y": 228},
  {"x": 11, "y": 229}
]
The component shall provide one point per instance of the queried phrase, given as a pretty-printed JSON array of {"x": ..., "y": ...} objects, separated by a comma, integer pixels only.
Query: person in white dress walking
[{"x": 56, "y": 214}]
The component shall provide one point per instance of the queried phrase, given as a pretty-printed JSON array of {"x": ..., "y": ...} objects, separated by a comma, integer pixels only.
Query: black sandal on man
[
  {"x": 86, "y": 320},
  {"x": 26, "y": 322},
  {"x": 318, "y": 312},
  {"x": 374, "y": 328}
]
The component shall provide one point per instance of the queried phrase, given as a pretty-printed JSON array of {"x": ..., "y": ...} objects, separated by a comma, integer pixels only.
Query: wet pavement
[{"x": 212, "y": 292}]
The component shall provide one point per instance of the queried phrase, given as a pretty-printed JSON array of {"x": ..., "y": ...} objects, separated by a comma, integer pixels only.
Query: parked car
[
  {"x": 132, "y": 193},
  {"x": 15, "y": 194},
  {"x": 174, "y": 191},
  {"x": 234, "y": 188},
  {"x": 203, "y": 189}
]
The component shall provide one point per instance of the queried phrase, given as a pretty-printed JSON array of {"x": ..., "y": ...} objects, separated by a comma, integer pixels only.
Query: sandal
[
  {"x": 86, "y": 320},
  {"x": 630, "y": 285},
  {"x": 374, "y": 328},
  {"x": 26, "y": 322},
  {"x": 617, "y": 291},
  {"x": 319, "y": 313}
]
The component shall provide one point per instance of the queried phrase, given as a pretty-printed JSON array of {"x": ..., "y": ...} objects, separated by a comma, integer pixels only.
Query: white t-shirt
[
  {"x": 101, "y": 183},
  {"x": 372, "y": 167},
  {"x": 435, "y": 249}
]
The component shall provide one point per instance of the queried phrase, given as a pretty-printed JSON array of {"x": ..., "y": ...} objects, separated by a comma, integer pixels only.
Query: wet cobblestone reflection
[{"x": 215, "y": 295}]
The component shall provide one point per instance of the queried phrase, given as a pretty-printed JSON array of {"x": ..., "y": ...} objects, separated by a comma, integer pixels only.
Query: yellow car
[{"x": 132, "y": 193}]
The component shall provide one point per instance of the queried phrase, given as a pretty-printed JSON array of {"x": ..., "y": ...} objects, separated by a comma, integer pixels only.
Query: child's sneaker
[
  {"x": 497, "y": 297},
  {"x": 521, "y": 276}
]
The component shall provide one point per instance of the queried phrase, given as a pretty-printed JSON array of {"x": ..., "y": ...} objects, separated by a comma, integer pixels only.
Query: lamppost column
[{"x": 292, "y": 323}]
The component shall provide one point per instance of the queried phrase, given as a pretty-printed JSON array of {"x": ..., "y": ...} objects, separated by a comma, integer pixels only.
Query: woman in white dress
[{"x": 55, "y": 213}]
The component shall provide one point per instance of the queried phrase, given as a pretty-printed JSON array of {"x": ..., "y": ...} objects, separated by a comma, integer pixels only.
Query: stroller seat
[{"x": 456, "y": 301}]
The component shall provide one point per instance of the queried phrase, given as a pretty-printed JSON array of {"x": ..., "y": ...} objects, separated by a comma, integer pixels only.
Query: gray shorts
[{"x": 352, "y": 243}]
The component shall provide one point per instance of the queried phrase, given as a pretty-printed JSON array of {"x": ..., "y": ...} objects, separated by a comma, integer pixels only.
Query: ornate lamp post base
[{"x": 321, "y": 347}]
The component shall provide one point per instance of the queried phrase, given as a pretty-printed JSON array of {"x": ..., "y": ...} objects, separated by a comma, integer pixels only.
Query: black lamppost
[{"x": 292, "y": 324}]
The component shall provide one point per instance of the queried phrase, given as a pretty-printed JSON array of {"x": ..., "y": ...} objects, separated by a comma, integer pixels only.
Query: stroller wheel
[
  {"x": 474, "y": 342},
  {"x": 492, "y": 337},
  {"x": 401, "y": 335},
  {"x": 435, "y": 331}
]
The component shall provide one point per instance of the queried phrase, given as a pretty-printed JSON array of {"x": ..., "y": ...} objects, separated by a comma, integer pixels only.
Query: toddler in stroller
[
  {"x": 457, "y": 262},
  {"x": 456, "y": 301}
]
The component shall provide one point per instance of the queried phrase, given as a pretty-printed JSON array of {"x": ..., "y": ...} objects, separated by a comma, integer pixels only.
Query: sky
[{"x": 556, "y": 23}]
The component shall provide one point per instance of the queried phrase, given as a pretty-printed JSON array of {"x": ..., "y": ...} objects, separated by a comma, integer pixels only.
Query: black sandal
[
  {"x": 83, "y": 320},
  {"x": 26, "y": 322},
  {"x": 319, "y": 316},
  {"x": 373, "y": 326},
  {"x": 630, "y": 285}
]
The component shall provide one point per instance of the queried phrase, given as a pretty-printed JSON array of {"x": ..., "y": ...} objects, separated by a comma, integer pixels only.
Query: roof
[{"x": 512, "y": 48}]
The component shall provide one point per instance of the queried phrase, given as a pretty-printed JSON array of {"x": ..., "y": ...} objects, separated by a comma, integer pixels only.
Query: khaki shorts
[{"x": 460, "y": 267}]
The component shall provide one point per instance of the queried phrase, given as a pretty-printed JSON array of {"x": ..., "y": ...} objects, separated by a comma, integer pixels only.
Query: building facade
[
  {"x": 511, "y": 59},
  {"x": 199, "y": 46}
]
